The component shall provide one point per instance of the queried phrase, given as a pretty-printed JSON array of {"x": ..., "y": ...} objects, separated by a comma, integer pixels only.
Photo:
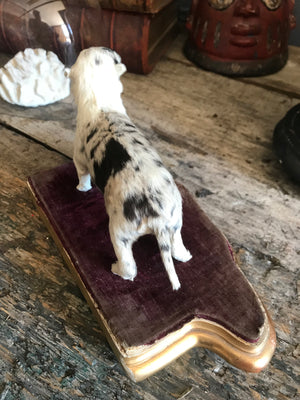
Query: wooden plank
[
  {"x": 53, "y": 125},
  {"x": 51, "y": 346},
  {"x": 215, "y": 135},
  {"x": 284, "y": 81}
]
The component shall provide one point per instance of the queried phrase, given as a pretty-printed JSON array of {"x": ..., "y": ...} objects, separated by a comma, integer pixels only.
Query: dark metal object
[{"x": 286, "y": 140}]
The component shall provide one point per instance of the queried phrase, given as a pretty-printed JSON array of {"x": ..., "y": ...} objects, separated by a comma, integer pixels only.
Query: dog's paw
[
  {"x": 183, "y": 255},
  {"x": 176, "y": 284},
  {"x": 84, "y": 188},
  {"x": 125, "y": 273}
]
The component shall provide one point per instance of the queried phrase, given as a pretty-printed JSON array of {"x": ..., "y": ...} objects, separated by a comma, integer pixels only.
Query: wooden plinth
[{"x": 147, "y": 323}]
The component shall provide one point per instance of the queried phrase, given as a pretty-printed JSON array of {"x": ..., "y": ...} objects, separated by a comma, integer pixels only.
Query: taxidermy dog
[{"x": 140, "y": 194}]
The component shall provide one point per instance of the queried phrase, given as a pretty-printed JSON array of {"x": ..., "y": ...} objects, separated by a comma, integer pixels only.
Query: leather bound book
[
  {"x": 140, "y": 6},
  {"x": 140, "y": 39}
]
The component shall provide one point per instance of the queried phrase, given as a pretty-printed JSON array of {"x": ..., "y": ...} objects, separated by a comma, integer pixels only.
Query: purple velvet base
[{"x": 140, "y": 312}]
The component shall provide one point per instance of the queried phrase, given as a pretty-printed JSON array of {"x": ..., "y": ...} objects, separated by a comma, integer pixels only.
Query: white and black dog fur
[{"x": 140, "y": 194}]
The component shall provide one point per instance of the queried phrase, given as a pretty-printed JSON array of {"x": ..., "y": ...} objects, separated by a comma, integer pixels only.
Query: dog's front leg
[
  {"x": 84, "y": 182},
  {"x": 83, "y": 174}
]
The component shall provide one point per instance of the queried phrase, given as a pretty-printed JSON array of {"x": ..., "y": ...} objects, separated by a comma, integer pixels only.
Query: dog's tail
[{"x": 164, "y": 243}]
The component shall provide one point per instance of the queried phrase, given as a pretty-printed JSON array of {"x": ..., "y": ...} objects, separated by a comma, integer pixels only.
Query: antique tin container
[{"x": 240, "y": 37}]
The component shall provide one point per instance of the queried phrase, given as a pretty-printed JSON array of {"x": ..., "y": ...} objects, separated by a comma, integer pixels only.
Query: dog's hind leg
[
  {"x": 179, "y": 251},
  {"x": 125, "y": 265},
  {"x": 164, "y": 243}
]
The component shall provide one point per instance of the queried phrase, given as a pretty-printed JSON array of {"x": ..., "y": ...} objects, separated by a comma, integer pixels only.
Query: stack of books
[{"x": 139, "y": 30}]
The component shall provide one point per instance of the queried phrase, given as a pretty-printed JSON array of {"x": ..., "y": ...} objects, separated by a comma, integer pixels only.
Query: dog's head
[{"x": 96, "y": 73}]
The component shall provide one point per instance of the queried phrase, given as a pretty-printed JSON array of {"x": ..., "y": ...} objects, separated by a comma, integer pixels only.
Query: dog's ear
[{"x": 120, "y": 68}]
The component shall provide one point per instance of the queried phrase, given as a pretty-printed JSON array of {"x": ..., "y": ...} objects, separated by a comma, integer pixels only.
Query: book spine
[
  {"x": 139, "y": 6},
  {"x": 128, "y": 36},
  {"x": 126, "y": 33},
  {"x": 127, "y": 5}
]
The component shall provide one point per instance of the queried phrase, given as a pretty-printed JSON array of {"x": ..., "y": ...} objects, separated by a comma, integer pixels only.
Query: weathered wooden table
[{"x": 215, "y": 135}]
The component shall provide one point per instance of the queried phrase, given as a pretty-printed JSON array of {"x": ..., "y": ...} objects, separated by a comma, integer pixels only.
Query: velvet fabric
[{"x": 140, "y": 312}]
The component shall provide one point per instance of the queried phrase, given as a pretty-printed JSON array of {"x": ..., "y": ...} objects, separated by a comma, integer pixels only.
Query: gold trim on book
[{"x": 140, "y": 362}]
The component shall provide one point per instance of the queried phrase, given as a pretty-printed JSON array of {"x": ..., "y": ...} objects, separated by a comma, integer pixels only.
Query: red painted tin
[{"x": 240, "y": 37}]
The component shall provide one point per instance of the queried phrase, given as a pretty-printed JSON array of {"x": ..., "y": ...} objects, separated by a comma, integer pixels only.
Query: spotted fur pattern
[{"x": 140, "y": 194}]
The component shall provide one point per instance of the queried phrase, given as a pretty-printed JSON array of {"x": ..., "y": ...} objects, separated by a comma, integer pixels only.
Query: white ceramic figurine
[{"x": 140, "y": 194}]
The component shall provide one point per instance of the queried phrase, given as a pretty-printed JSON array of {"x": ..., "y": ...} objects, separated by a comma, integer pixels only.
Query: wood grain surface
[{"x": 215, "y": 135}]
